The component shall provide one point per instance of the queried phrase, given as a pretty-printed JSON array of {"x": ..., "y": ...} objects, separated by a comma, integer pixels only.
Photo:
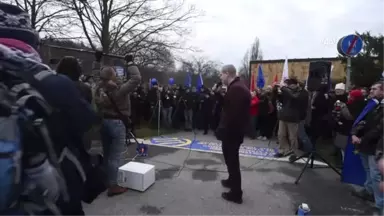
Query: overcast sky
[{"x": 286, "y": 28}]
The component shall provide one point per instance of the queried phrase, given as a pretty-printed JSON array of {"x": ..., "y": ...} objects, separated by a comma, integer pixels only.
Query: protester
[
  {"x": 289, "y": 117},
  {"x": 113, "y": 101},
  {"x": 231, "y": 130},
  {"x": 70, "y": 67},
  {"x": 18, "y": 55},
  {"x": 367, "y": 134},
  {"x": 253, "y": 111}
]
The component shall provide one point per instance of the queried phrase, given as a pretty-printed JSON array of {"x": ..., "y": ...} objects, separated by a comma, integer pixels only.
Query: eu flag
[
  {"x": 260, "y": 78},
  {"x": 200, "y": 82},
  {"x": 188, "y": 80},
  {"x": 353, "y": 170}
]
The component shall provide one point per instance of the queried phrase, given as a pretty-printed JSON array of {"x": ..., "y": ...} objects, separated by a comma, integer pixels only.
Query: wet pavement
[{"x": 188, "y": 183}]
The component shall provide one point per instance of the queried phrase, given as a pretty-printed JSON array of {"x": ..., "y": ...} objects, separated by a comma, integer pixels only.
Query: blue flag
[
  {"x": 260, "y": 78},
  {"x": 353, "y": 170},
  {"x": 200, "y": 82},
  {"x": 188, "y": 80}
]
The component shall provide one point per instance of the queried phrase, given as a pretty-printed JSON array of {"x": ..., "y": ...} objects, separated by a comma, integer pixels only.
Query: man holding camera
[
  {"x": 289, "y": 117},
  {"x": 113, "y": 101}
]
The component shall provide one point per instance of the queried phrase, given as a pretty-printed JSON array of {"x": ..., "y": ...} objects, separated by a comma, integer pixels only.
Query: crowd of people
[
  {"x": 181, "y": 107},
  {"x": 46, "y": 117}
]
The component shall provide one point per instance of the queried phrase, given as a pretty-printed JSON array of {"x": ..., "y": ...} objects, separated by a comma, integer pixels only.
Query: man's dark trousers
[{"x": 231, "y": 157}]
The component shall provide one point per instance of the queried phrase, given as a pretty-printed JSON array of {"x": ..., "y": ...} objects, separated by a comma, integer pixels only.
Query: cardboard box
[{"x": 136, "y": 176}]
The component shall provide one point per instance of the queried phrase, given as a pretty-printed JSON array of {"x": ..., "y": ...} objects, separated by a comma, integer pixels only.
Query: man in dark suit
[{"x": 231, "y": 129}]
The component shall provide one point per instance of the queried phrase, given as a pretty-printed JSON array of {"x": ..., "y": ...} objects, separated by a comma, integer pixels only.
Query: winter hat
[
  {"x": 16, "y": 24},
  {"x": 355, "y": 95},
  {"x": 340, "y": 86}
]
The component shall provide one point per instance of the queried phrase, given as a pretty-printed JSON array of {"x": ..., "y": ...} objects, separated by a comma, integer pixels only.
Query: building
[{"x": 296, "y": 67}]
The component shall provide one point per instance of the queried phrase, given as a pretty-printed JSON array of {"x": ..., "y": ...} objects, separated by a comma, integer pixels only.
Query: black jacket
[
  {"x": 235, "y": 115},
  {"x": 167, "y": 99},
  {"x": 370, "y": 130},
  {"x": 290, "y": 99}
]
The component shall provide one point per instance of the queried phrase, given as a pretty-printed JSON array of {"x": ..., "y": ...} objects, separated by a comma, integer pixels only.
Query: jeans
[
  {"x": 303, "y": 136},
  {"x": 167, "y": 116},
  {"x": 113, "y": 136},
  {"x": 188, "y": 115},
  {"x": 373, "y": 178}
]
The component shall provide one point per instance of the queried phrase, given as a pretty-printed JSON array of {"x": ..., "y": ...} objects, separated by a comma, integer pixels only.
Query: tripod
[
  {"x": 181, "y": 99},
  {"x": 311, "y": 157},
  {"x": 158, "y": 106}
]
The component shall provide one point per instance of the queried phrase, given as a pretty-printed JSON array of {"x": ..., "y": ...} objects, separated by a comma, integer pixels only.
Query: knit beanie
[
  {"x": 16, "y": 24},
  {"x": 340, "y": 86}
]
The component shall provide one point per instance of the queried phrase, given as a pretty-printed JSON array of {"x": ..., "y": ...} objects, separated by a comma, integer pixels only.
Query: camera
[
  {"x": 98, "y": 55},
  {"x": 128, "y": 58}
]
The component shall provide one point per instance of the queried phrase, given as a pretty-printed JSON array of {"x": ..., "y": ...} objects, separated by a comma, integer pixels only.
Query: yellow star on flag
[{"x": 356, "y": 152}]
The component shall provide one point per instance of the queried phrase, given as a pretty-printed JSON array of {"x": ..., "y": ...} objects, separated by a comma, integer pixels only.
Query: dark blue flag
[
  {"x": 188, "y": 80},
  {"x": 353, "y": 170},
  {"x": 260, "y": 78}
]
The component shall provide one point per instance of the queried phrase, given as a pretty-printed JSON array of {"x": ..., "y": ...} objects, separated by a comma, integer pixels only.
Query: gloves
[
  {"x": 98, "y": 55},
  {"x": 128, "y": 58}
]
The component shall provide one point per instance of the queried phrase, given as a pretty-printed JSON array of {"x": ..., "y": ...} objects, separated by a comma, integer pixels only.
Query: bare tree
[
  {"x": 126, "y": 25},
  {"x": 46, "y": 15},
  {"x": 254, "y": 53},
  {"x": 159, "y": 57},
  {"x": 201, "y": 65}
]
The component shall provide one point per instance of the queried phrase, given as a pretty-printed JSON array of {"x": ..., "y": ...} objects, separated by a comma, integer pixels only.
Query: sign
[
  {"x": 196, "y": 145},
  {"x": 120, "y": 71},
  {"x": 171, "y": 141},
  {"x": 350, "y": 45}
]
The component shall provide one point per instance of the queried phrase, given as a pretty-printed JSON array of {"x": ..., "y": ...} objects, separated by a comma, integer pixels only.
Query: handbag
[{"x": 125, "y": 119}]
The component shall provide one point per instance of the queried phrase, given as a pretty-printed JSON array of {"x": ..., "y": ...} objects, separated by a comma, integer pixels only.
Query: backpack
[
  {"x": 10, "y": 151},
  {"x": 33, "y": 176}
]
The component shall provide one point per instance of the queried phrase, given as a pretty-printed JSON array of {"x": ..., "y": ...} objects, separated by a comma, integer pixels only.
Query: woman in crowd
[{"x": 254, "y": 112}]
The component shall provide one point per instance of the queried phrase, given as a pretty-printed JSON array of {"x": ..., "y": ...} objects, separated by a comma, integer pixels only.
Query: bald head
[
  {"x": 228, "y": 73},
  {"x": 230, "y": 70}
]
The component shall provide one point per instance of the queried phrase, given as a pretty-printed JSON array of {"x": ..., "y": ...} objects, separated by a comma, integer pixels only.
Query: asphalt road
[{"x": 188, "y": 183}]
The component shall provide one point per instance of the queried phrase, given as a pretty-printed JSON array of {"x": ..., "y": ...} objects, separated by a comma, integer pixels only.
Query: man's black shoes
[{"x": 231, "y": 197}]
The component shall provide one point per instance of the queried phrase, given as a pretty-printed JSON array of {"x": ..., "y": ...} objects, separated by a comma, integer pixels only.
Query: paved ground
[{"x": 187, "y": 183}]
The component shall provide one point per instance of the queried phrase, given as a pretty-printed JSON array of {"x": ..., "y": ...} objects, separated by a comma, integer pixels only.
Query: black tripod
[
  {"x": 157, "y": 108},
  {"x": 176, "y": 112},
  {"x": 311, "y": 157}
]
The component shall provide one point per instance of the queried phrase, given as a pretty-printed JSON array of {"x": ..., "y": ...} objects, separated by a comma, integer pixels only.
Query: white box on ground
[{"x": 136, "y": 176}]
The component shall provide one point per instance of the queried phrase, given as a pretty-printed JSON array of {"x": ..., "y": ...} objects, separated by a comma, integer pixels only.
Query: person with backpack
[
  {"x": 44, "y": 168},
  {"x": 113, "y": 101}
]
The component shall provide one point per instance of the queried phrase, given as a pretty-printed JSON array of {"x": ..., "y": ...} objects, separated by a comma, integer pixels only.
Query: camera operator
[
  {"x": 113, "y": 101},
  {"x": 189, "y": 101},
  {"x": 218, "y": 104},
  {"x": 205, "y": 109},
  {"x": 167, "y": 100},
  {"x": 343, "y": 115},
  {"x": 289, "y": 117},
  {"x": 178, "y": 106}
]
